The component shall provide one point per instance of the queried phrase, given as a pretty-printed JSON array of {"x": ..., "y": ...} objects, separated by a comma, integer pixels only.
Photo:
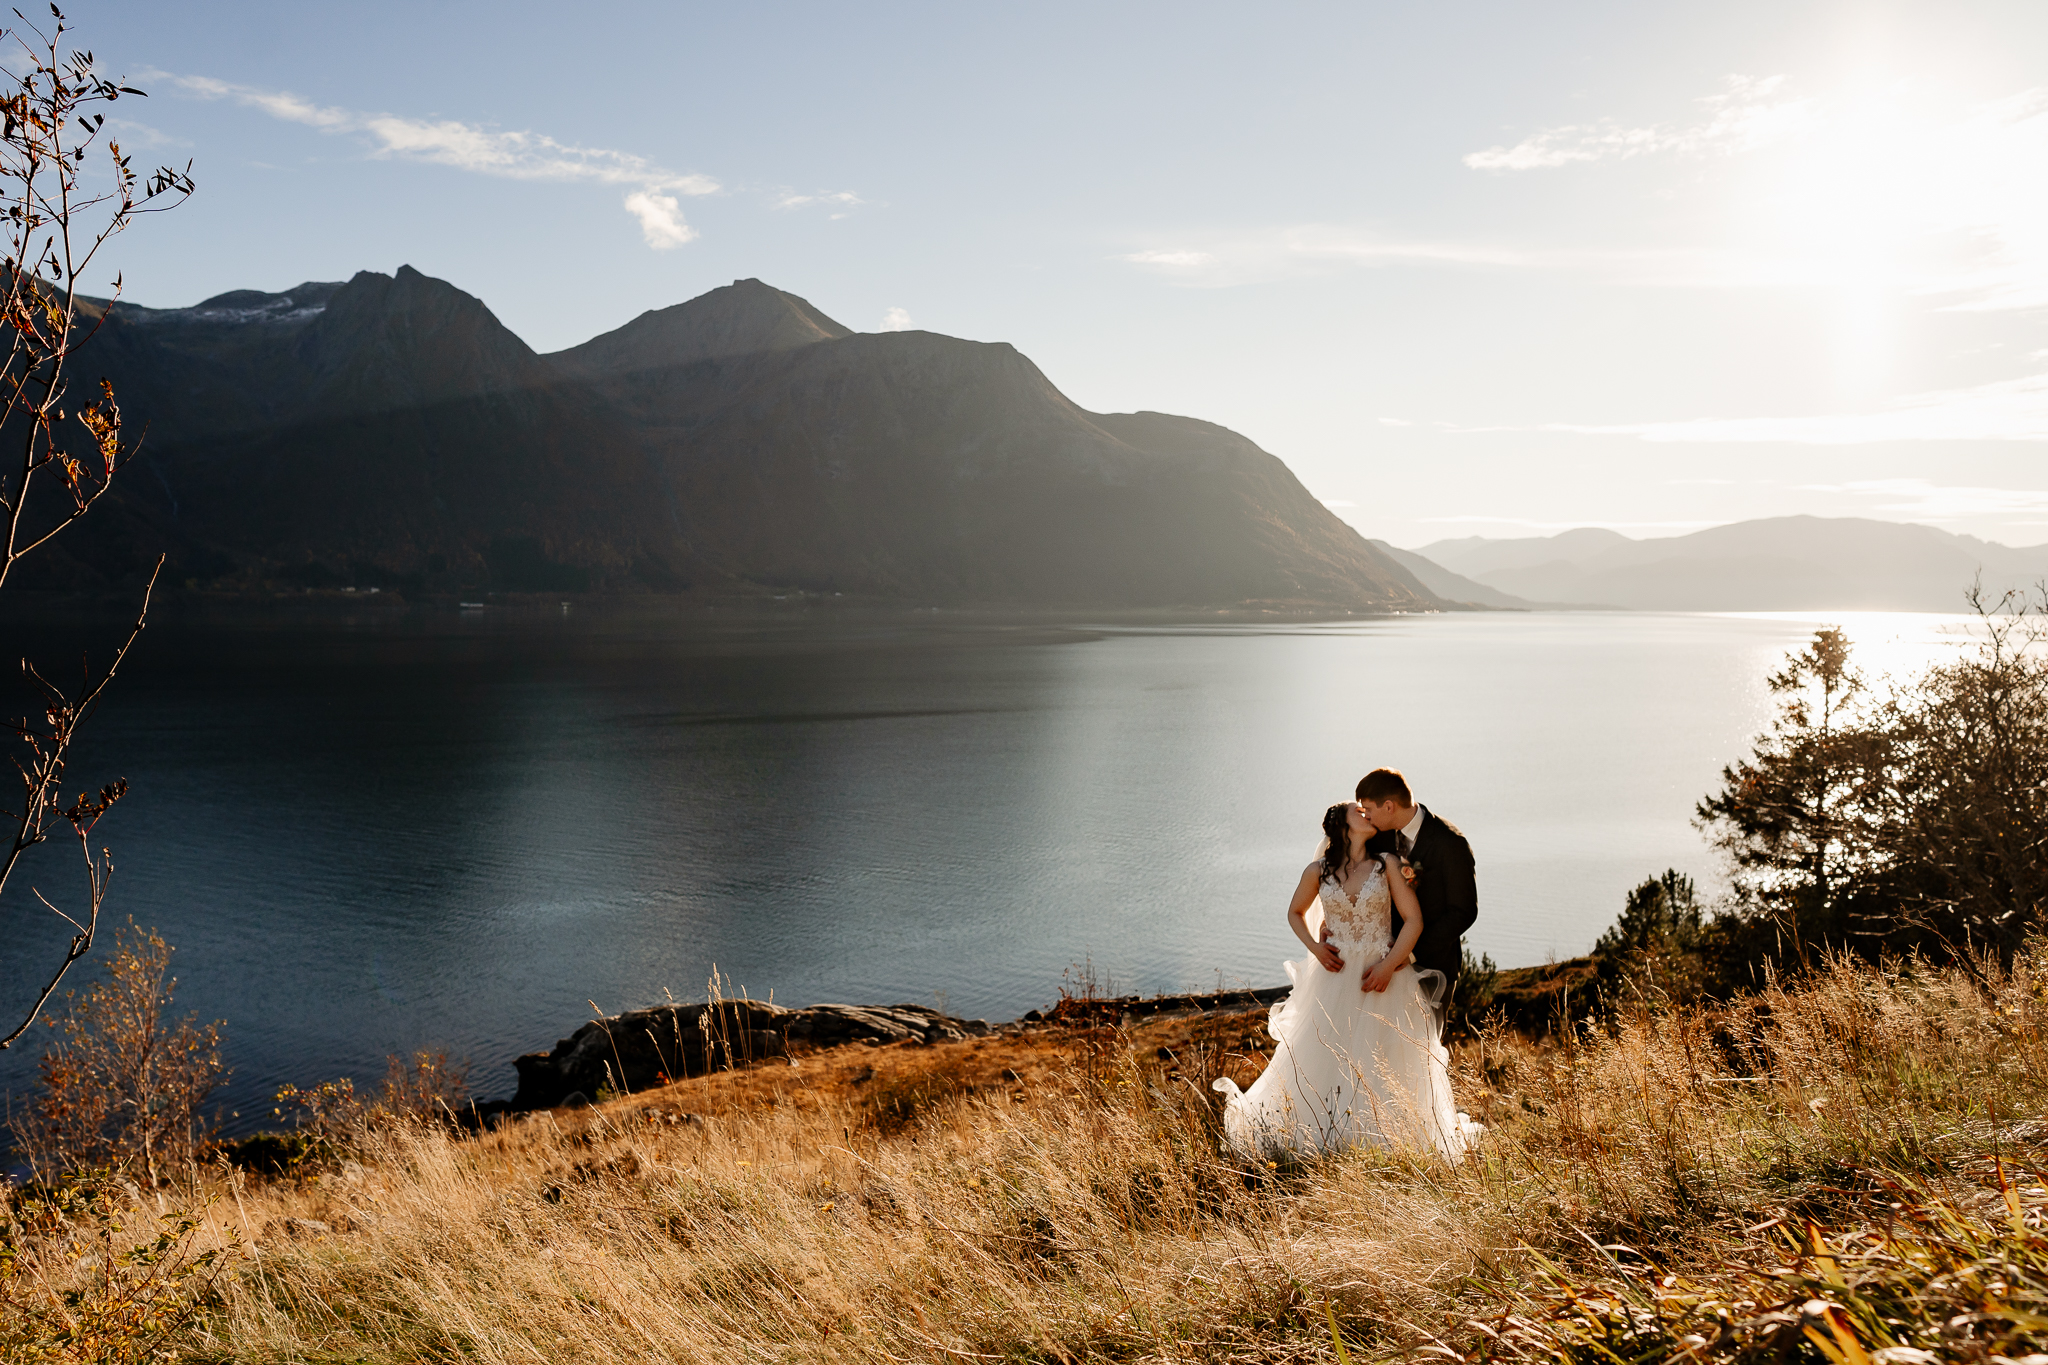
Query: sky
[{"x": 1491, "y": 269}]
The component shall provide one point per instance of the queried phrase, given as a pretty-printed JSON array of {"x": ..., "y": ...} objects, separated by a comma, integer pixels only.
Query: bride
[{"x": 1356, "y": 1057}]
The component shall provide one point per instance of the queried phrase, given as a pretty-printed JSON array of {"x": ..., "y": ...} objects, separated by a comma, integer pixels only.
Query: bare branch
[
  {"x": 53, "y": 224},
  {"x": 42, "y": 783}
]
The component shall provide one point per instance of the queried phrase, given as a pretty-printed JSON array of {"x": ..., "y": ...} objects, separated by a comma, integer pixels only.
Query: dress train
[{"x": 1349, "y": 1067}]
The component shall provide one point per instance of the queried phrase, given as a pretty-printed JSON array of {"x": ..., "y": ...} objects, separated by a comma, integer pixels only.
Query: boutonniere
[{"x": 1409, "y": 870}]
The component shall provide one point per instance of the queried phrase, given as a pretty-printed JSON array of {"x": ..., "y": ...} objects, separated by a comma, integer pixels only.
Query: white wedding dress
[{"x": 1349, "y": 1067}]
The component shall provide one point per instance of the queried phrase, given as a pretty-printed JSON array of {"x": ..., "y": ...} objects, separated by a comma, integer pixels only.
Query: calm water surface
[{"x": 369, "y": 841}]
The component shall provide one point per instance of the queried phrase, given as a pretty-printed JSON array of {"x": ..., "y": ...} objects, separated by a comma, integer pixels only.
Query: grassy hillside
[{"x": 1821, "y": 1173}]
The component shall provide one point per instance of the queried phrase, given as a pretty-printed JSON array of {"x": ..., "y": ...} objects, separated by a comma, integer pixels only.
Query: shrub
[
  {"x": 1654, "y": 949},
  {"x": 330, "y": 1123},
  {"x": 122, "y": 1087},
  {"x": 86, "y": 1275},
  {"x": 1473, "y": 995},
  {"x": 426, "y": 1086},
  {"x": 1957, "y": 826}
]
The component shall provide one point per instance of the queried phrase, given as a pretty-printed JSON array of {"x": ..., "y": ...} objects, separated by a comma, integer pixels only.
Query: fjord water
[{"x": 461, "y": 834}]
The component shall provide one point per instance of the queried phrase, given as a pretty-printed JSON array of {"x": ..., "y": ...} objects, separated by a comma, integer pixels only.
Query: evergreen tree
[{"x": 1795, "y": 817}]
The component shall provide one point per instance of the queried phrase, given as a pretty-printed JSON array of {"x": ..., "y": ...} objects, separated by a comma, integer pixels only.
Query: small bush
[
  {"x": 330, "y": 1123},
  {"x": 426, "y": 1086},
  {"x": 1472, "y": 997},
  {"x": 87, "y": 1275},
  {"x": 122, "y": 1087},
  {"x": 1654, "y": 951}
]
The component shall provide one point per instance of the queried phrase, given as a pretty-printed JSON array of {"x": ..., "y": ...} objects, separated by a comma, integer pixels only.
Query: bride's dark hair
[{"x": 1337, "y": 829}]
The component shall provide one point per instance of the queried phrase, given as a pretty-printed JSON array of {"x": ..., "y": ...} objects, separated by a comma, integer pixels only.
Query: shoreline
[
  {"x": 638, "y": 1050},
  {"x": 394, "y": 606}
]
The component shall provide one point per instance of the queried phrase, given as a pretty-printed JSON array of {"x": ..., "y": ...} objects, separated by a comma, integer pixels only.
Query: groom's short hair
[{"x": 1383, "y": 784}]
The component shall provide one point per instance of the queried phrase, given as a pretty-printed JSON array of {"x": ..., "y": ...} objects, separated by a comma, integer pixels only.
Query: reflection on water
[{"x": 366, "y": 842}]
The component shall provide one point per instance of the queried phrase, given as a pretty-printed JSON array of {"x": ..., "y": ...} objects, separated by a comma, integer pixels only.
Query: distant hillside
[
  {"x": 389, "y": 431},
  {"x": 1778, "y": 564},
  {"x": 1450, "y": 586}
]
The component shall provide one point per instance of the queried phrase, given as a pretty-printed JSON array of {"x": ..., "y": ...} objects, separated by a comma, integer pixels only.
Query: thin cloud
[
  {"x": 1173, "y": 260},
  {"x": 2008, "y": 410},
  {"x": 1976, "y": 183},
  {"x": 523, "y": 156},
  {"x": 897, "y": 320},
  {"x": 840, "y": 199},
  {"x": 1452, "y": 427},
  {"x": 1323, "y": 245},
  {"x": 1905, "y": 193},
  {"x": 1318, "y": 249},
  {"x": 2002, "y": 279},
  {"x": 279, "y": 104},
  {"x": 513, "y": 155},
  {"x": 133, "y": 134},
  {"x": 1904, "y": 190},
  {"x": 1310, "y": 249},
  {"x": 1743, "y": 116},
  {"x": 1925, "y": 500}
]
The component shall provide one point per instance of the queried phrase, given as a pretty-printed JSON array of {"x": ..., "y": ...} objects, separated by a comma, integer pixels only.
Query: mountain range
[
  {"x": 390, "y": 432},
  {"x": 1773, "y": 564}
]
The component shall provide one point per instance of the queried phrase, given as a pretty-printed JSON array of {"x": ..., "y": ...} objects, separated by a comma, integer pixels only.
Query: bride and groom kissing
[{"x": 1358, "y": 1056}]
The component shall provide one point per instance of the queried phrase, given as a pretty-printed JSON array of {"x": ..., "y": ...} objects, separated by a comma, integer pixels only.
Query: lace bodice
[{"x": 1366, "y": 923}]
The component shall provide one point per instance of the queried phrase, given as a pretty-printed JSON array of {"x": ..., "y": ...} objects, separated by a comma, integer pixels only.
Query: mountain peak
[
  {"x": 389, "y": 341},
  {"x": 745, "y": 317}
]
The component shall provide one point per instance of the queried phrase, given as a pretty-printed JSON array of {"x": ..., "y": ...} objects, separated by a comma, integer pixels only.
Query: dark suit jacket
[{"x": 1446, "y": 888}]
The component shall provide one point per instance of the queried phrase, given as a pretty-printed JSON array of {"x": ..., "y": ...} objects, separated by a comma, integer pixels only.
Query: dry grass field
[{"x": 1847, "y": 1171}]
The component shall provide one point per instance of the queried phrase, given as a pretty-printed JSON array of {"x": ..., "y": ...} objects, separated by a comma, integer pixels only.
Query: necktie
[{"x": 1403, "y": 843}]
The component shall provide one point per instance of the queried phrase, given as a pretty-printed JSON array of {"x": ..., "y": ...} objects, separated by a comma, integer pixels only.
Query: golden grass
[{"x": 1097, "y": 1219}]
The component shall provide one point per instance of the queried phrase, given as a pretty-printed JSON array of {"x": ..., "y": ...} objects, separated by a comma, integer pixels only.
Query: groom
[{"x": 1442, "y": 862}]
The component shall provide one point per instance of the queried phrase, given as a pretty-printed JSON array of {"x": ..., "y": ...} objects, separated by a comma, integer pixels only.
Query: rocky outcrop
[
  {"x": 645, "y": 1048},
  {"x": 1093, "y": 1011}
]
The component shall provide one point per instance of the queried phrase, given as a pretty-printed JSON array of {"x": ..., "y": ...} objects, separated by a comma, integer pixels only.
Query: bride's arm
[
  {"x": 1297, "y": 919},
  {"x": 1381, "y": 973}
]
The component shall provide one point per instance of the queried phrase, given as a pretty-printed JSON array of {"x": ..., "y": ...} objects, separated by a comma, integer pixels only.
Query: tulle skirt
[{"x": 1351, "y": 1068}]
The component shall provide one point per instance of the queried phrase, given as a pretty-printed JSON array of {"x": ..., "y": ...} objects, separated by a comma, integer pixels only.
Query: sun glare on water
[{"x": 1895, "y": 644}]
